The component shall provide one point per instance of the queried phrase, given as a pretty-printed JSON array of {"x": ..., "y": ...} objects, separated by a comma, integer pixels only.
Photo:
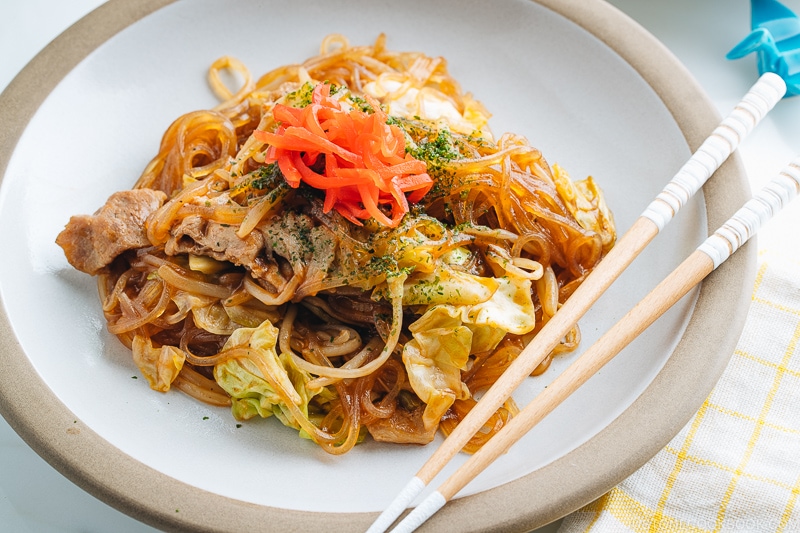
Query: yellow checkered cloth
[{"x": 735, "y": 467}]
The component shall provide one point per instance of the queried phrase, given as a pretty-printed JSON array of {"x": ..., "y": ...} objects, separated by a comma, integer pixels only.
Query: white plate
[{"x": 575, "y": 77}]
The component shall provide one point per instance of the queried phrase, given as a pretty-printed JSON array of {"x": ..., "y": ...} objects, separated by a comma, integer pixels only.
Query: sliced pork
[{"x": 92, "y": 242}]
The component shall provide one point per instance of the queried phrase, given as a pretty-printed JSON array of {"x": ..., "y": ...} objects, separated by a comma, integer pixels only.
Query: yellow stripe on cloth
[
  {"x": 789, "y": 510},
  {"x": 673, "y": 476},
  {"x": 626, "y": 514},
  {"x": 759, "y": 426},
  {"x": 735, "y": 467}
]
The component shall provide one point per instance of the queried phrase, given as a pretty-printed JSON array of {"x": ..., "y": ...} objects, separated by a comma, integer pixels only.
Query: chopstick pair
[
  {"x": 705, "y": 259},
  {"x": 758, "y": 101}
]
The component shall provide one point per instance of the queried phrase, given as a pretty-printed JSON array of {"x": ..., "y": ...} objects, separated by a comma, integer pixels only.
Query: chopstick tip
[
  {"x": 403, "y": 499},
  {"x": 421, "y": 513}
]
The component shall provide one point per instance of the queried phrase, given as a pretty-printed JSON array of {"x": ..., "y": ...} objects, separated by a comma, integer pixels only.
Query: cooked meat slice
[
  {"x": 404, "y": 427},
  {"x": 359, "y": 306},
  {"x": 91, "y": 242},
  {"x": 199, "y": 236},
  {"x": 286, "y": 251},
  {"x": 310, "y": 249}
]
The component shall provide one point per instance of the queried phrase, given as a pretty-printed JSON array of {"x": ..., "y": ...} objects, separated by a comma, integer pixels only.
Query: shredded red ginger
[{"x": 365, "y": 162}]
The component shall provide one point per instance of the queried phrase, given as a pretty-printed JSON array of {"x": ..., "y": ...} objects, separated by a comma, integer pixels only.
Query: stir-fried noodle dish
[{"x": 342, "y": 244}]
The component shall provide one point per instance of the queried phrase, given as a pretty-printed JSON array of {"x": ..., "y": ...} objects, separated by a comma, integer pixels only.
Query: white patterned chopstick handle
[
  {"x": 751, "y": 216},
  {"x": 755, "y": 105}
]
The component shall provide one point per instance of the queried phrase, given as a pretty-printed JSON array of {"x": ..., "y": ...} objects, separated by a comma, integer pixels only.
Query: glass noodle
[{"x": 279, "y": 298}]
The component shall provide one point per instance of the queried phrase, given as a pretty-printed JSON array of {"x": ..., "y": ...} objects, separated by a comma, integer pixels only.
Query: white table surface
[{"x": 36, "y": 498}]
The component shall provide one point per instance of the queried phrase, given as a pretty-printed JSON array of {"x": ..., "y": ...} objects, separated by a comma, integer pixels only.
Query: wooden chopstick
[
  {"x": 708, "y": 256},
  {"x": 755, "y": 105}
]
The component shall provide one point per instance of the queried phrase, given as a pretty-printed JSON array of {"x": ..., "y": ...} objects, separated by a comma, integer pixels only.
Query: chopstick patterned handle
[
  {"x": 758, "y": 101},
  {"x": 749, "y": 218}
]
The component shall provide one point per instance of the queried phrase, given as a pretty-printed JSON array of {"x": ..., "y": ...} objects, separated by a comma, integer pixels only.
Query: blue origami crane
[{"x": 776, "y": 40}]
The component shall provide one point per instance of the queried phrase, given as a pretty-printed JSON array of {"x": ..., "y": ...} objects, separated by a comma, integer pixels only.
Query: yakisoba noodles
[{"x": 342, "y": 244}]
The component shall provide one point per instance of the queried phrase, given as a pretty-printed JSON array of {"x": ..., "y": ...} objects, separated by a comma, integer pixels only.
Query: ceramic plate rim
[{"x": 40, "y": 418}]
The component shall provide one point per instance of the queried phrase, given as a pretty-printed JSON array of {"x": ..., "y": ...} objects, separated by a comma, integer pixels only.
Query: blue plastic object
[{"x": 775, "y": 37}]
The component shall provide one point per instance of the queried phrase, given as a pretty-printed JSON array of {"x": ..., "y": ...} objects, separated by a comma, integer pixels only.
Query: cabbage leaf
[
  {"x": 159, "y": 365},
  {"x": 447, "y": 334},
  {"x": 434, "y": 359},
  {"x": 255, "y": 394},
  {"x": 585, "y": 201}
]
